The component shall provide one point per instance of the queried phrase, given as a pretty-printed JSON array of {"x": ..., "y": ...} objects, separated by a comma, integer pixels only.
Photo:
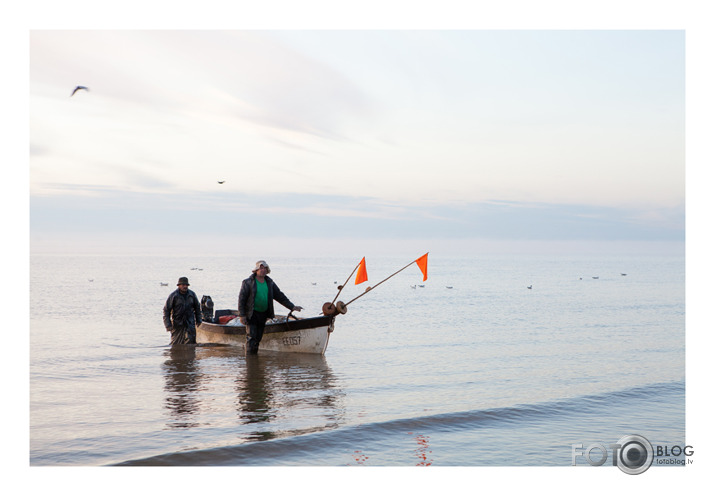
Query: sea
[{"x": 492, "y": 361}]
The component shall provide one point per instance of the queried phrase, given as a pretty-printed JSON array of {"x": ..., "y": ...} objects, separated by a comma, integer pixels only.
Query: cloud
[
  {"x": 242, "y": 74},
  {"x": 300, "y": 216},
  {"x": 38, "y": 150},
  {"x": 275, "y": 86},
  {"x": 414, "y": 116}
]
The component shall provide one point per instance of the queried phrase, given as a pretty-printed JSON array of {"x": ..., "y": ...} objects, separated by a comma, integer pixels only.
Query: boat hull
[{"x": 309, "y": 335}]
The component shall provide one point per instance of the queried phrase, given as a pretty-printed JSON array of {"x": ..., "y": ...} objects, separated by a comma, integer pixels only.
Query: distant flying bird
[
  {"x": 79, "y": 88},
  {"x": 221, "y": 182}
]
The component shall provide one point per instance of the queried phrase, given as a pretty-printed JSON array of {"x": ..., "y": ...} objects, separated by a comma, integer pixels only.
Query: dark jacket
[
  {"x": 247, "y": 296},
  {"x": 182, "y": 310}
]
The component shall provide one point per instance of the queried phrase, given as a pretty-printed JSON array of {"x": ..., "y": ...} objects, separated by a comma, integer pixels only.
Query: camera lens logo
[{"x": 635, "y": 455}]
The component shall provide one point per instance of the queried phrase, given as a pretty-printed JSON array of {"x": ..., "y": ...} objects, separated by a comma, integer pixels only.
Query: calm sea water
[{"x": 484, "y": 373}]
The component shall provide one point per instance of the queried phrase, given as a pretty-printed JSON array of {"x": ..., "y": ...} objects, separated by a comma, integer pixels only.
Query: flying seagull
[{"x": 79, "y": 88}]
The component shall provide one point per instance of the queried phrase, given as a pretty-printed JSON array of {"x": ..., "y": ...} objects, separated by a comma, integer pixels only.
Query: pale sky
[
  {"x": 400, "y": 116},
  {"x": 443, "y": 134}
]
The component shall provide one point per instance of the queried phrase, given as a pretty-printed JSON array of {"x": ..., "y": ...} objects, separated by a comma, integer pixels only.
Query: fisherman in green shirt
[{"x": 255, "y": 304}]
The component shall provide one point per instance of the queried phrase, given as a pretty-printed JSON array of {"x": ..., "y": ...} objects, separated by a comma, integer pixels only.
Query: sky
[{"x": 437, "y": 135}]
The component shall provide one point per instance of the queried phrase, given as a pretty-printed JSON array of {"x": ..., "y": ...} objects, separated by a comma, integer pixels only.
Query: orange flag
[
  {"x": 422, "y": 264},
  {"x": 361, "y": 272}
]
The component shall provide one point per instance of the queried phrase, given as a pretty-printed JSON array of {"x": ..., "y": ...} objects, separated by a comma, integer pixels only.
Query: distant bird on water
[
  {"x": 79, "y": 88},
  {"x": 221, "y": 182}
]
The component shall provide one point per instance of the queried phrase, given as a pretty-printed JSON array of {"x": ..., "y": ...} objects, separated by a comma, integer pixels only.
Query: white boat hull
[{"x": 309, "y": 335}]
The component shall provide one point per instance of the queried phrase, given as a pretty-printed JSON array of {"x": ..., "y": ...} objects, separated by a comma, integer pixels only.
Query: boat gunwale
[{"x": 271, "y": 327}]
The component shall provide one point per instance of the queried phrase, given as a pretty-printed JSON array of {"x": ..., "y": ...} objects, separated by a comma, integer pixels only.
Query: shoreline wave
[{"x": 344, "y": 439}]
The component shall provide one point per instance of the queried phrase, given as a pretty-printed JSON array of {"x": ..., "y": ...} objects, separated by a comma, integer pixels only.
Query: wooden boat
[{"x": 283, "y": 333}]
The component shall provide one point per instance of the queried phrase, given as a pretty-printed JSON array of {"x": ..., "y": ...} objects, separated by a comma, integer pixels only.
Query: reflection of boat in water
[
  {"x": 298, "y": 364},
  {"x": 285, "y": 334},
  {"x": 283, "y": 389}
]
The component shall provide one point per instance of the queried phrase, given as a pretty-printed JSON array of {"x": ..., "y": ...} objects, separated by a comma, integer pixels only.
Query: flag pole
[
  {"x": 376, "y": 285},
  {"x": 329, "y": 308},
  {"x": 346, "y": 282}
]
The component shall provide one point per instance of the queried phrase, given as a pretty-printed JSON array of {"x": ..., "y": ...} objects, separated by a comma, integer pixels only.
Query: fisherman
[
  {"x": 182, "y": 314},
  {"x": 255, "y": 304}
]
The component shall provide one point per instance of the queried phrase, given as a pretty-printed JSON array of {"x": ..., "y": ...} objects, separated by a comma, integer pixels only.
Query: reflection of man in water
[
  {"x": 182, "y": 314},
  {"x": 255, "y": 394},
  {"x": 182, "y": 386},
  {"x": 287, "y": 392}
]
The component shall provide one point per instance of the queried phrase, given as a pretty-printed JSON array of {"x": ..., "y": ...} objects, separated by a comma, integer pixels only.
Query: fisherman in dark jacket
[
  {"x": 255, "y": 304},
  {"x": 182, "y": 314}
]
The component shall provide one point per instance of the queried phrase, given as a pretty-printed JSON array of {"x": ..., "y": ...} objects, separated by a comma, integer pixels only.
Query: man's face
[
  {"x": 262, "y": 271},
  {"x": 183, "y": 287}
]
